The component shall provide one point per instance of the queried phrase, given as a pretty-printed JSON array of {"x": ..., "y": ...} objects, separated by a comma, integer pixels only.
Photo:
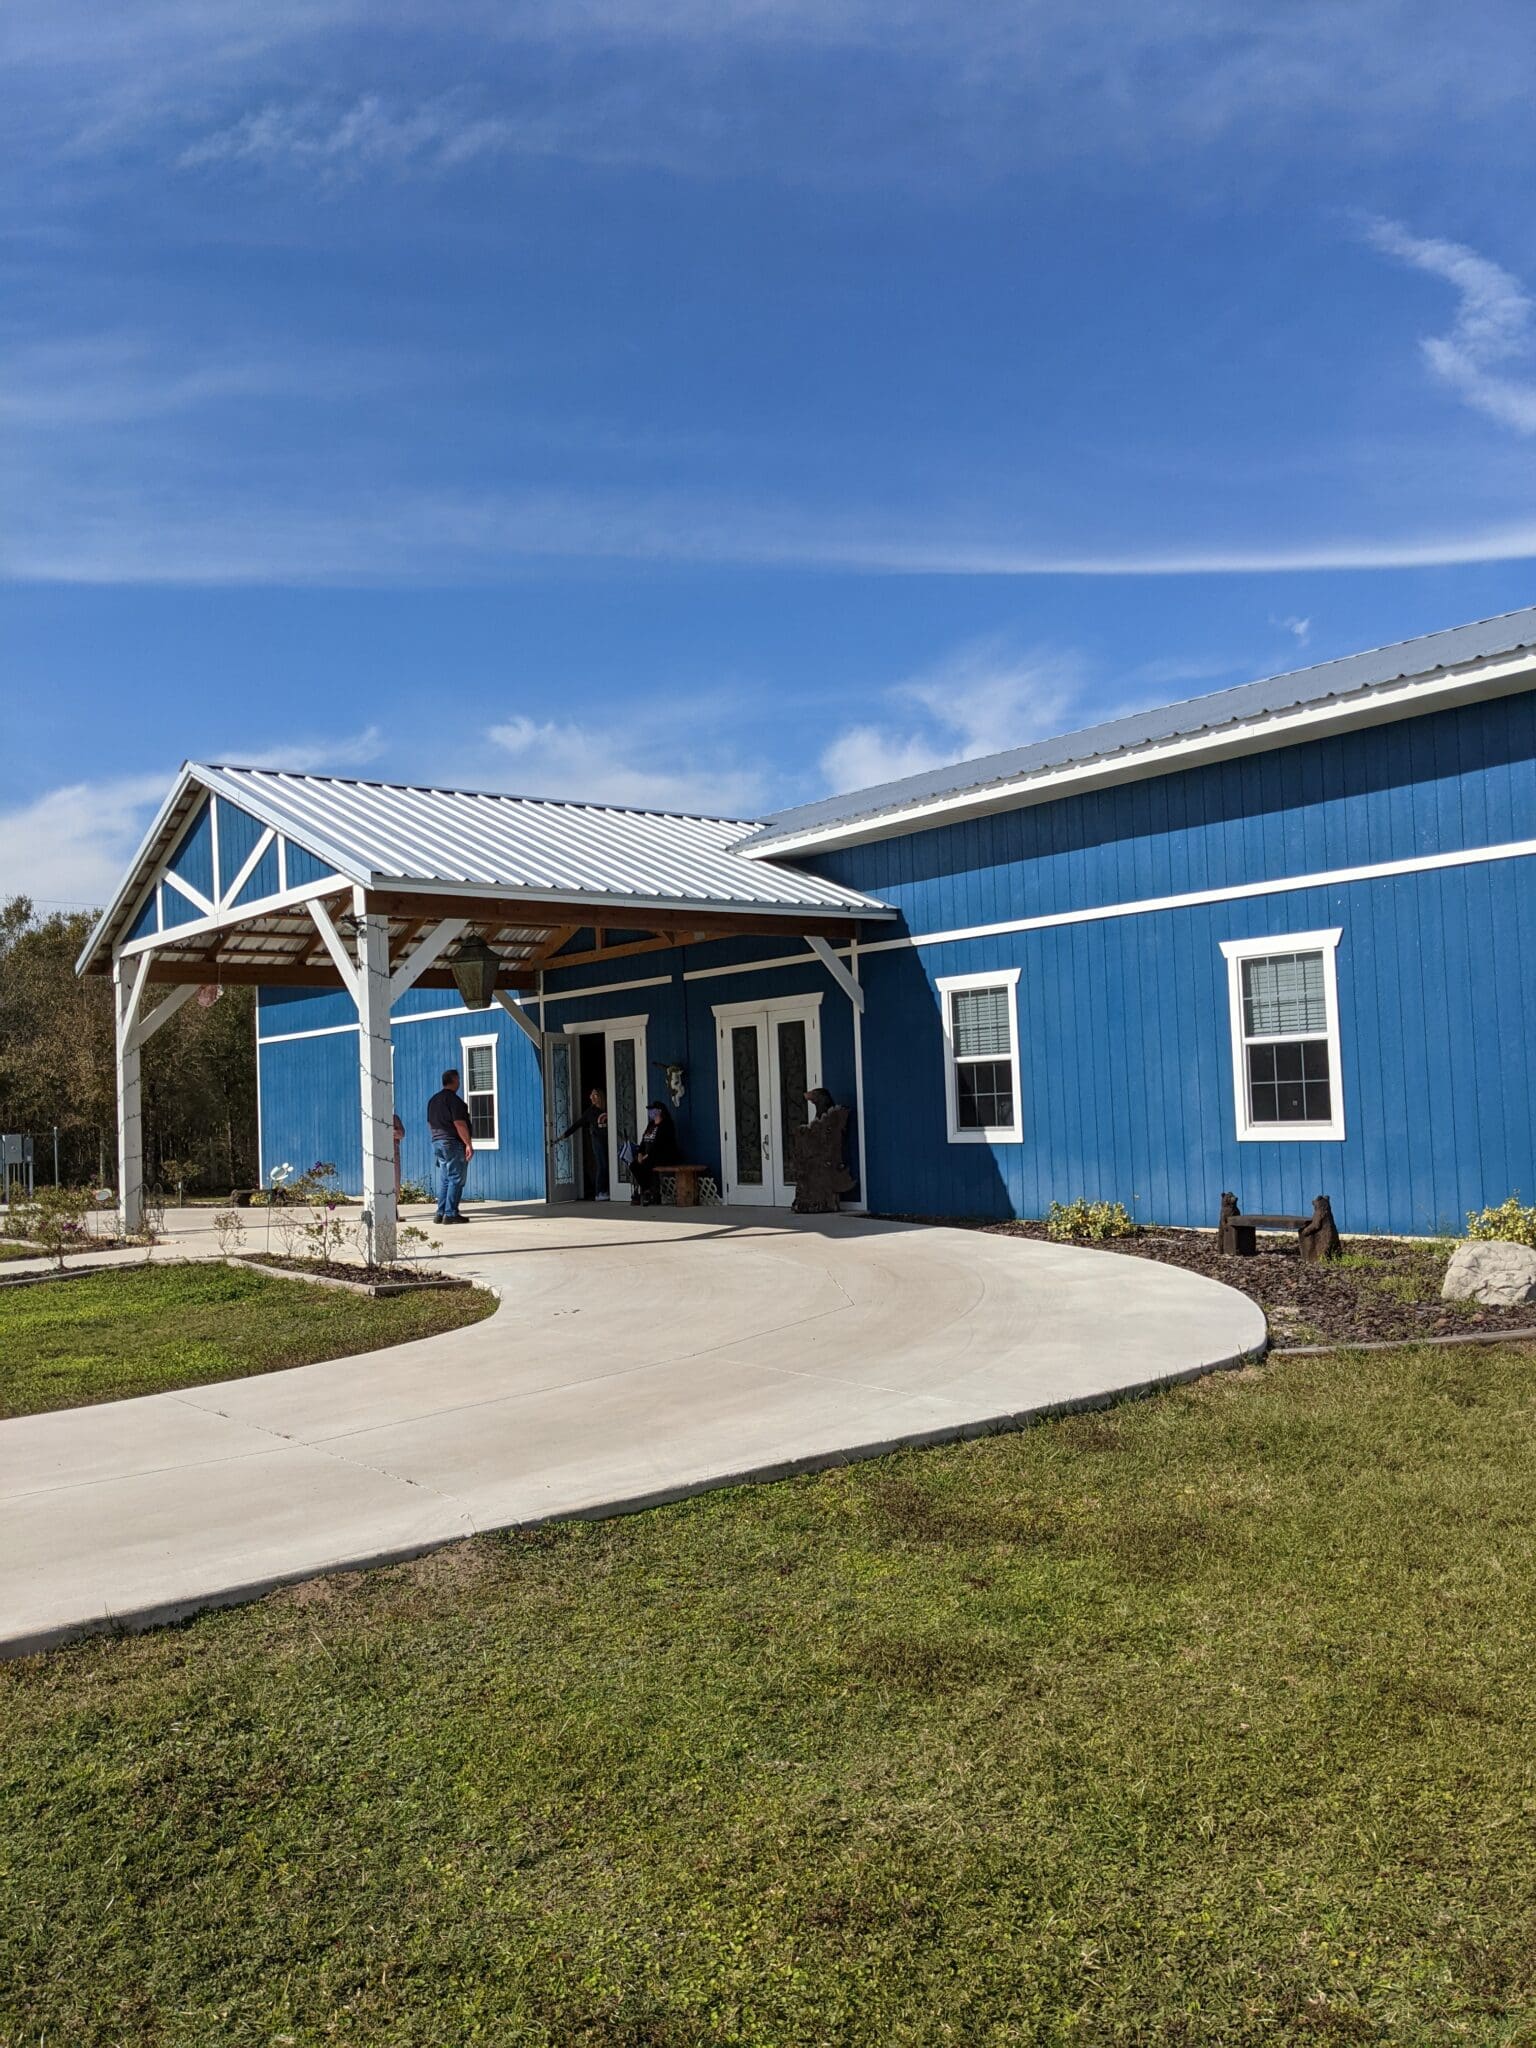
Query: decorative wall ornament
[{"x": 674, "y": 1071}]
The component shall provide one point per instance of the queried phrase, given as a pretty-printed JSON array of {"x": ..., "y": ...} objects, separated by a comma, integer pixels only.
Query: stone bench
[{"x": 1317, "y": 1235}]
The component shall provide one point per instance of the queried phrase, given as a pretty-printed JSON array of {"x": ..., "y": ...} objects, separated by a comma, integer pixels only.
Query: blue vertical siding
[
  {"x": 1426, "y": 785},
  {"x": 238, "y": 834},
  {"x": 1127, "y": 1076},
  {"x": 1126, "y": 1067},
  {"x": 311, "y": 1104},
  {"x": 193, "y": 858}
]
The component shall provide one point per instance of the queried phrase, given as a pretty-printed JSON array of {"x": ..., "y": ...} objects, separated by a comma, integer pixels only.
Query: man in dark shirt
[{"x": 452, "y": 1146}]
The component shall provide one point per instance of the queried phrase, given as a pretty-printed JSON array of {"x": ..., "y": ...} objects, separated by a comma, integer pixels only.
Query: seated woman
[{"x": 656, "y": 1148}]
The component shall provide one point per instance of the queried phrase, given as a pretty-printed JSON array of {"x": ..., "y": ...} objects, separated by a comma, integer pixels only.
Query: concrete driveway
[{"x": 637, "y": 1355}]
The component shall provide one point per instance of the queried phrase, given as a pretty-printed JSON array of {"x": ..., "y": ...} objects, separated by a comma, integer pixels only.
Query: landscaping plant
[
  {"x": 179, "y": 1174},
  {"x": 1511, "y": 1221},
  {"x": 230, "y": 1231},
  {"x": 1093, "y": 1220},
  {"x": 56, "y": 1218}
]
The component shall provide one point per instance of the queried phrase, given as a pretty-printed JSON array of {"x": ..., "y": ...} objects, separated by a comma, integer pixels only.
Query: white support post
[
  {"x": 415, "y": 964},
  {"x": 376, "y": 1072},
  {"x": 521, "y": 1018},
  {"x": 162, "y": 1013},
  {"x": 128, "y": 979},
  {"x": 858, "y": 1074},
  {"x": 336, "y": 947},
  {"x": 847, "y": 982}
]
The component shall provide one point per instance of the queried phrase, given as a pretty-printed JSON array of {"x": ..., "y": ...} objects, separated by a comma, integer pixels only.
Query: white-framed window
[
  {"x": 981, "y": 1057},
  {"x": 477, "y": 1075},
  {"x": 1286, "y": 1072}
]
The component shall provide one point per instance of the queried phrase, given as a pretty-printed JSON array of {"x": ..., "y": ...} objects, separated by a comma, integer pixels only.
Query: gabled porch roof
[{"x": 222, "y": 887}]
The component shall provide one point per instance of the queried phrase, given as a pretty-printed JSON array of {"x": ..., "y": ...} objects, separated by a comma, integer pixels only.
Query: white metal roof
[
  {"x": 509, "y": 851},
  {"x": 383, "y": 834},
  {"x": 1358, "y": 689}
]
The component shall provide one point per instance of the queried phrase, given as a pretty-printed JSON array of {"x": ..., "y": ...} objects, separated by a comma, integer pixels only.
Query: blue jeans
[{"x": 452, "y": 1166}]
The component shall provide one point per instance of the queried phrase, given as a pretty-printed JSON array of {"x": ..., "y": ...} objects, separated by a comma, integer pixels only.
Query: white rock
[{"x": 1498, "y": 1275}]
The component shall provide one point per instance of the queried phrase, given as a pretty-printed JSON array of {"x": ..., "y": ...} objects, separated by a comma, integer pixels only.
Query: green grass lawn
[
  {"x": 1205, "y": 1720},
  {"x": 143, "y": 1329},
  {"x": 9, "y": 1249}
]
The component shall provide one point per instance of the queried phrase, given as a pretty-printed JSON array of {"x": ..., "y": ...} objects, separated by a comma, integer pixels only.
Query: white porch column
[
  {"x": 858, "y": 1075},
  {"x": 376, "y": 1071},
  {"x": 128, "y": 979}
]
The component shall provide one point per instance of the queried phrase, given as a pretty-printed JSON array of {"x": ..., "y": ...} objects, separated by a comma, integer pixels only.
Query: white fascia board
[
  {"x": 673, "y": 915},
  {"x": 1381, "y": 705},
  {"x": 130, "y": 885}
]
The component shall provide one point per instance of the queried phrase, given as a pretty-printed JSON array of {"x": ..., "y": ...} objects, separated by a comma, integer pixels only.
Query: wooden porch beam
[
  {"x": 490, "y": 912},
  {"x": 242, "y": 974}
]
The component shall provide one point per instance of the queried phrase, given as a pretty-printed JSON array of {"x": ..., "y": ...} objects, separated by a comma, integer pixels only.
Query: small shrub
[
  {"x": 413, "y": 1191},
  {"x": 414, "y": 1243},
  {"x": 1094, "y": 1220},
  {"x": 1510, "y": 1221},
  {"x": 179, "y": 1174},
  {"x": 57, "y": 1219},
  {"x": 230, "y": 1231}
]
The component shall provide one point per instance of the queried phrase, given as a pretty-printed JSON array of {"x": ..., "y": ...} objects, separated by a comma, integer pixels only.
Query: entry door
[
  {"x": 626, "y": 1083},
  {"x": 559, "y": 1090},
  {"x": 769, "y": 1055}
]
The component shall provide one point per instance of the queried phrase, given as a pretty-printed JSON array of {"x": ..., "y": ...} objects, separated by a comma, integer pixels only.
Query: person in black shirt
[
  {"x": 452, "y": 1146},
  {"x": 593, "y": 1123}
]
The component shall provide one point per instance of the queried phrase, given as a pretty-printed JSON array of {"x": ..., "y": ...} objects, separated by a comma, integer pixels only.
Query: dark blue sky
[{"x": 711, "y": 404}]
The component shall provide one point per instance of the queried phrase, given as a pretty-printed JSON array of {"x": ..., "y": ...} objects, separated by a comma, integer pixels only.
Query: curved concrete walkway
[{"x": 638, "y": 1355}]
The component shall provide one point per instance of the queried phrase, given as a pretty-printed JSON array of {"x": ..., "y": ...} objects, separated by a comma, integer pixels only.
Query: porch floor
[{"x": 638, "y": 1355}]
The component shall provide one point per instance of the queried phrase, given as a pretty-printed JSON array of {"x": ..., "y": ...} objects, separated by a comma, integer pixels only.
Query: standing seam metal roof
[
  {"x": 1432, "y": 653},
  {"x": 384, "y": 832}
]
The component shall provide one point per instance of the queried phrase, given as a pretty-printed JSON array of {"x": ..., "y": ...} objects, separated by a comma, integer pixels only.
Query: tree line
[{"x": 57, "y": 1064}]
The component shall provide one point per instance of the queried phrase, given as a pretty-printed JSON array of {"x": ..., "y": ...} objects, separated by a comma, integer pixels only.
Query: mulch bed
[
  {"x": 1383, "y": 1290},
  {"x": 388, "y": 1277}
]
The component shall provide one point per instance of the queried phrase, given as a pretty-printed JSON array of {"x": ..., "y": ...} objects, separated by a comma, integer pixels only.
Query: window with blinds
[
  {"x": 983, "y": 1083},
  {"x": 480, "y": 1089},
  {"x": 1285, "y": 1036}
]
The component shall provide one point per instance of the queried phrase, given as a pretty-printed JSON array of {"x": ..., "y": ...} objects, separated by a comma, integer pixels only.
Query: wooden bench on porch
[
  {"x": 1317, "y": 1235},
  {"x": 690, "y": 1186}
]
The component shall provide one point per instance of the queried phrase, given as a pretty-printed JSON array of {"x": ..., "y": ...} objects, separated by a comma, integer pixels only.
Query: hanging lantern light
[{"x": 474, "y": 968}]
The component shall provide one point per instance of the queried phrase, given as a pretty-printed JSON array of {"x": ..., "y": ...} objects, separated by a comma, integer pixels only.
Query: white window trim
[
  {"x": 995, "y": 977},
  {"x": 1236, "y": 951},
  {"x": 491, "y": 1039}
]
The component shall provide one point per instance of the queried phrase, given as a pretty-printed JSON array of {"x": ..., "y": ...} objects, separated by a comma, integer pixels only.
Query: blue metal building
[{"x": 1280, "y": 939}]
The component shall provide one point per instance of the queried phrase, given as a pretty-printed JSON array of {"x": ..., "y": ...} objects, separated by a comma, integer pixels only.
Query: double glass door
[{"x": 769, "y": 1055}]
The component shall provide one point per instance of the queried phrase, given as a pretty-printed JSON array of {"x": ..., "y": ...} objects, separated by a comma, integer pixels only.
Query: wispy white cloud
[
  {"x": 234, "y": 531},
  {"x": 982, "y": 699},
  {"x": 1491, "y": 334},
  {"x": 67, "y": 849},
  {"x": 734, "y": 85},
  {"x": 313, "y": 756},
  {"x": 369, "y": 134},
  {"x": 114, "y": 378},
  {"x": 1299, "y": 629},
  {"x": 614, "y": 764}
]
